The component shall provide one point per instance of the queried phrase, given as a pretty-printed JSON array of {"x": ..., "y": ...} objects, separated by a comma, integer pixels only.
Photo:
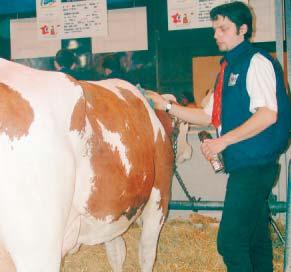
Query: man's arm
[
  {"x": 195, "y": 116},
  {"x": 259, "y": 121},
  {"x": 192, "y": 115}
]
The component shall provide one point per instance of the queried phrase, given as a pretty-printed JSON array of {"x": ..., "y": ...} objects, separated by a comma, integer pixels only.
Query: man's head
[
  {"x": 65, "y": 58},
  {"x": 232, "y": 24},
  {"x": 111, "y": 64}
]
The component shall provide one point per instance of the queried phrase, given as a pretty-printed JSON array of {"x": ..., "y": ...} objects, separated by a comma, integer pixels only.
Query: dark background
[{"x": 168, "y": 61}]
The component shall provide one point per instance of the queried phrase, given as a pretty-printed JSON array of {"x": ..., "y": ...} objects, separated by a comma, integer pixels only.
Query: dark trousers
[{"x": 243, "y": 237}]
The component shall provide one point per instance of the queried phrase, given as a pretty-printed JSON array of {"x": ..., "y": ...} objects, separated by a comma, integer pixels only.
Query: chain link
[{"x": 175, "y": 134}]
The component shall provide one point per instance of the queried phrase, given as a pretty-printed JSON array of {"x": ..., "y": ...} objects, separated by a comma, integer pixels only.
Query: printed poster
[
  {"x": 49, "y": 19},
  {"x": 58, "y": 19},
  {"x": 187, "y": 14},
  {"x": 84, "y": 19}
]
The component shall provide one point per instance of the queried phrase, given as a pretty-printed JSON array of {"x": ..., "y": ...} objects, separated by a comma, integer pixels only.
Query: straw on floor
[{"x": 184, "y": 246}]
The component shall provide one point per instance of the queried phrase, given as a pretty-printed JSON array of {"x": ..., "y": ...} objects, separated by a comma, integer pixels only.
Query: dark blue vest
[{"x": 269, "y": 144}]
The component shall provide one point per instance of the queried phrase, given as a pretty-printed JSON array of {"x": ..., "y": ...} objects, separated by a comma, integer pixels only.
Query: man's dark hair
[
  {"x": 237, "y": 12},
  {"x": 65, "y": 58}
]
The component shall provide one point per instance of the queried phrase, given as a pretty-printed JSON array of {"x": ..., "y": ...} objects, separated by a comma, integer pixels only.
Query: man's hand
[
  {"x": 159, "y": 101},
  {"x": 188, "y": 114},
  {"x": 211, "y": 147},
  {"x": 259, "y": 121}
]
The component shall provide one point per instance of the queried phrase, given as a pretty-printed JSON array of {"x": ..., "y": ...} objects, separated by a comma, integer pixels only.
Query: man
[
  {"x": 111, "y": 67},
  {"x": 252, "y": 116},
  {"x": 66, "y": 62}
]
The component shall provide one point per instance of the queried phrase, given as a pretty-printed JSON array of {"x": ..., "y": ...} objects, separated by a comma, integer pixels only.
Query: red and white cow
[{"x": 79, "y": 162}]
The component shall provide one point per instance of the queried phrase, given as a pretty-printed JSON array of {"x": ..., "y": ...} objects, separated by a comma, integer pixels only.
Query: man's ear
[
  {"x": 57, "y": 66},
  {"x": 73, "y": 66},
  {"x": 243, "y": 29}
]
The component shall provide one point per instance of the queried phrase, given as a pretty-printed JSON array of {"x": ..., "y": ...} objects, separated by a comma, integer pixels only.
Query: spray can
[{"x": 216, "y": 161}]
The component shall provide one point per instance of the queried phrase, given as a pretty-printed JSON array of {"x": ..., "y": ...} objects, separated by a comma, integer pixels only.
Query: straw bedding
[{"x": 184, "y": 246}]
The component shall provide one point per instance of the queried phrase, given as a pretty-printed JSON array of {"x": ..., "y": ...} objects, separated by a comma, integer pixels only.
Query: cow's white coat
[{"x": 115, "y": 141}]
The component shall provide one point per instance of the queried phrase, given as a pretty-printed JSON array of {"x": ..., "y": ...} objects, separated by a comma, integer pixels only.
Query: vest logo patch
[{"x": 232, "y": 79}]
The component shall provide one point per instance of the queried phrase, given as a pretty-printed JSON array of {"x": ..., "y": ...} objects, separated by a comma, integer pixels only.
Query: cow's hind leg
[
  {"x": 156, "y": 209},
  {"x": 116, "y": 252},
  {"x": 152, "y": 220}
]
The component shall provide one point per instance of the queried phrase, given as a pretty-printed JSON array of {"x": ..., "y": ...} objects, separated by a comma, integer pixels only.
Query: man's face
[{"x": 226, "y": 34}]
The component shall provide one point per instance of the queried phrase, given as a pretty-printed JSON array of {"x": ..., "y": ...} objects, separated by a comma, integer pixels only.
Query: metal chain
[{"x": 177, "y": 175}]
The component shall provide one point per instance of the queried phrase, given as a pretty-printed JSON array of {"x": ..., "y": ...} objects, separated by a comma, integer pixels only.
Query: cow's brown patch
[
  {"x": 164, "y": 158},
  {"x": 16, "y": 114},
  {"x": 116, "y": 193},
  {"x": 78, "y": 116},
  {"x": 166, "y": 121}
]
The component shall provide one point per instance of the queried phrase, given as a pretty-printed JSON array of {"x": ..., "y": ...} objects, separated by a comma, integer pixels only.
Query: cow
[{"x": 79, "y": 163}]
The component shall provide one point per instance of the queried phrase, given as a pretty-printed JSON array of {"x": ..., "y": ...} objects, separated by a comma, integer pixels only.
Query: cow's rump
[{"x": 80, "y": 162}]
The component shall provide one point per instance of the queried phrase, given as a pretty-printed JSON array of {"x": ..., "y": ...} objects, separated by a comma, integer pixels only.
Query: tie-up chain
[{"x": 175, "y": 134}]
